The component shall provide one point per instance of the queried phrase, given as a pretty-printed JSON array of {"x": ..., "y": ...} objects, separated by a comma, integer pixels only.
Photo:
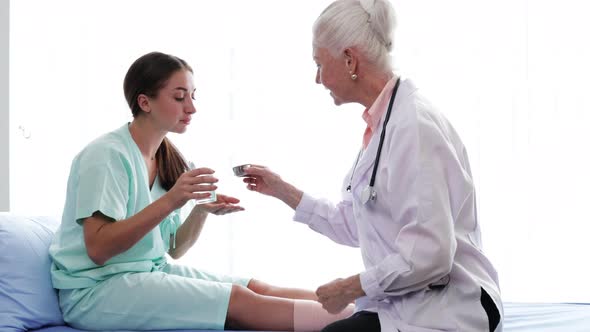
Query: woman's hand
[
  {"x": 261, "y": 179},
  {"x": 193, "y": 184},
  {"x": 223, "y": 205},
  {"x": 335, "y": 296}
]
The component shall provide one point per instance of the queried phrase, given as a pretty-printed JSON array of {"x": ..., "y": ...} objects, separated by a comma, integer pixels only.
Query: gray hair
[{"x": 365, "y": 24}]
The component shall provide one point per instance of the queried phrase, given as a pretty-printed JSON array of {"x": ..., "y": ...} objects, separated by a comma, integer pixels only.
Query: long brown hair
[{"x": 147, "y": 75}]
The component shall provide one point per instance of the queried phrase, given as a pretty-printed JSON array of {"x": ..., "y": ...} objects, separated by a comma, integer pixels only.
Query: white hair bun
[
  {"x": 368, "y": 6},
  {"x": 381, "y": 19},
  {"x": 366, "y": 24}
]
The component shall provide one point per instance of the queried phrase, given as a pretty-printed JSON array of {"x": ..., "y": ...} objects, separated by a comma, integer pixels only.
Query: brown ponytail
[{"x": 171, "y": 164}]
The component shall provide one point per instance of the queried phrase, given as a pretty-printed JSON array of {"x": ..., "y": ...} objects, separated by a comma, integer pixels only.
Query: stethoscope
[{"x": 369, "y": 193}]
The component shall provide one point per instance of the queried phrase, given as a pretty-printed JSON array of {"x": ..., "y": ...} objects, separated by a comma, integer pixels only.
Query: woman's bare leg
[
  {"x": 263, "y": 288},
  {"x": 249, "y": 310}
]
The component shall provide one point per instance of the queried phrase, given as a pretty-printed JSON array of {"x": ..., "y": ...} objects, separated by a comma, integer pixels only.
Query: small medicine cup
[{"x": 239, "y": 170}]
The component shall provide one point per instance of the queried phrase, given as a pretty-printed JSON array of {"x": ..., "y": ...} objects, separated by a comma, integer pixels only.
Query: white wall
[
  {"x": 73, "y": 93},
  {"x": 511, "y": 75},
  {"x": 4, "y": 119}
]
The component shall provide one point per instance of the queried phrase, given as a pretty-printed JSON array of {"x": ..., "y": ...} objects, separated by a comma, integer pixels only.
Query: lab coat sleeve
[
  {"x": 421, "y": 168},
  {"x": 335, "y": 222}
]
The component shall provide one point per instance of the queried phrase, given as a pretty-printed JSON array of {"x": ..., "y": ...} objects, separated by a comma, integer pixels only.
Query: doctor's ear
[
  {"x": 351, "y": 59},
  {"x": 144, "y": 103}
]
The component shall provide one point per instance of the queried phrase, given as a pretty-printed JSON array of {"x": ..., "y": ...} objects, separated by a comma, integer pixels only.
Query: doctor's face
[{"x": 332, "y": 73}]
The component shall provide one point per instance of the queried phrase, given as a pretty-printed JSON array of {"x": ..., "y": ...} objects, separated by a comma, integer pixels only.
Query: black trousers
[
  {"x": 367, "y": 321},
  {"x": 364, "y": 321},
  {"x": 491, "y": 310}
]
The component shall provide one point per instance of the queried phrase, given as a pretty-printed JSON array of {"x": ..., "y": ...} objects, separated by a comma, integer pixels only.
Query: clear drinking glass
[{"x": 210, "y": 199}]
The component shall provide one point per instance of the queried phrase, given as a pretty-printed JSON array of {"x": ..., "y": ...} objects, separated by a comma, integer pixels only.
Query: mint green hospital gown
[{"x": 137, "y": 289}]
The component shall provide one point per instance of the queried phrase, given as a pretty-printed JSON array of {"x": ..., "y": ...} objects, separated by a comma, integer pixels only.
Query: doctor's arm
[
  {"x": 261, "y": 179},
  {"x": 426, "y": 252},
  {"x": 425, "y": 245},
  {"x": 336, "y": 295},
  {"x": 425, "y": 255},
  {"x": 334, "y": 222}
]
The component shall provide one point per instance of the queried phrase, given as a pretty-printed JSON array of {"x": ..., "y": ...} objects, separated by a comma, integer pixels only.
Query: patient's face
[{"x": 173, "y": 107}]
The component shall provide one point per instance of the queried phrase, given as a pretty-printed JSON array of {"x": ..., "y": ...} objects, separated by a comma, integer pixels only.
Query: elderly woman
[{"x": 408, "y": 201}]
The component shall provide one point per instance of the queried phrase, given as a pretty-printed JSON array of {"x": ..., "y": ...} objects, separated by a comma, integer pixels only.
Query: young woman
[{"x": 121, "y": 217}]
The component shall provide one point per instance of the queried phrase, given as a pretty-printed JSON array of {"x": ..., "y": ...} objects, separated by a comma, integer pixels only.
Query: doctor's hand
[
  {"x": 335, "y": 296},
  {"x": 261, "y": 179},
  {"x": 223, "y": 205}
]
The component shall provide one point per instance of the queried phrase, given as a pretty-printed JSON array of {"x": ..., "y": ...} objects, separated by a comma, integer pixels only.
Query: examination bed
[{"x": 29, "y": 303}]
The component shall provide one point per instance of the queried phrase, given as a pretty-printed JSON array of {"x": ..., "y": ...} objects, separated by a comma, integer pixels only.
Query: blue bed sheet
[
  {"x": 69, "y": 329},
  {"x": 518, "y": 317},
  {"x": 546, "y": 317}
]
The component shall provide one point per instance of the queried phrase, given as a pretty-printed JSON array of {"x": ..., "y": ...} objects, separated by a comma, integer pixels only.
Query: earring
[{"x": 353, "y": 77}]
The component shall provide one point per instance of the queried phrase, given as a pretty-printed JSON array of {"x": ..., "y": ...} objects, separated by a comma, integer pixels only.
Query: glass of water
[{"x": 210, "y": 199}]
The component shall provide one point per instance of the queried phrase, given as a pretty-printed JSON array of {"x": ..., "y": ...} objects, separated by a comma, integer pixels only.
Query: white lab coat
[{"x": 422, "y": 227}]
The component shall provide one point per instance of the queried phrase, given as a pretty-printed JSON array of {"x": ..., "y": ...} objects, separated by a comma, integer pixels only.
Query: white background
[{"x": 511, "y": 75}]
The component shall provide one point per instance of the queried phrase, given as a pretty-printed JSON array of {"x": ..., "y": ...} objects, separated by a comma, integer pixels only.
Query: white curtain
[{"x": 509, "y": 74}]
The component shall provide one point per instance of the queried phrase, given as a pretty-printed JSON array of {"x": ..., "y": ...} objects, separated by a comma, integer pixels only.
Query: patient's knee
[
  {"x": 239, "y": 300},
  {"x": 260, "y": 287}
]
